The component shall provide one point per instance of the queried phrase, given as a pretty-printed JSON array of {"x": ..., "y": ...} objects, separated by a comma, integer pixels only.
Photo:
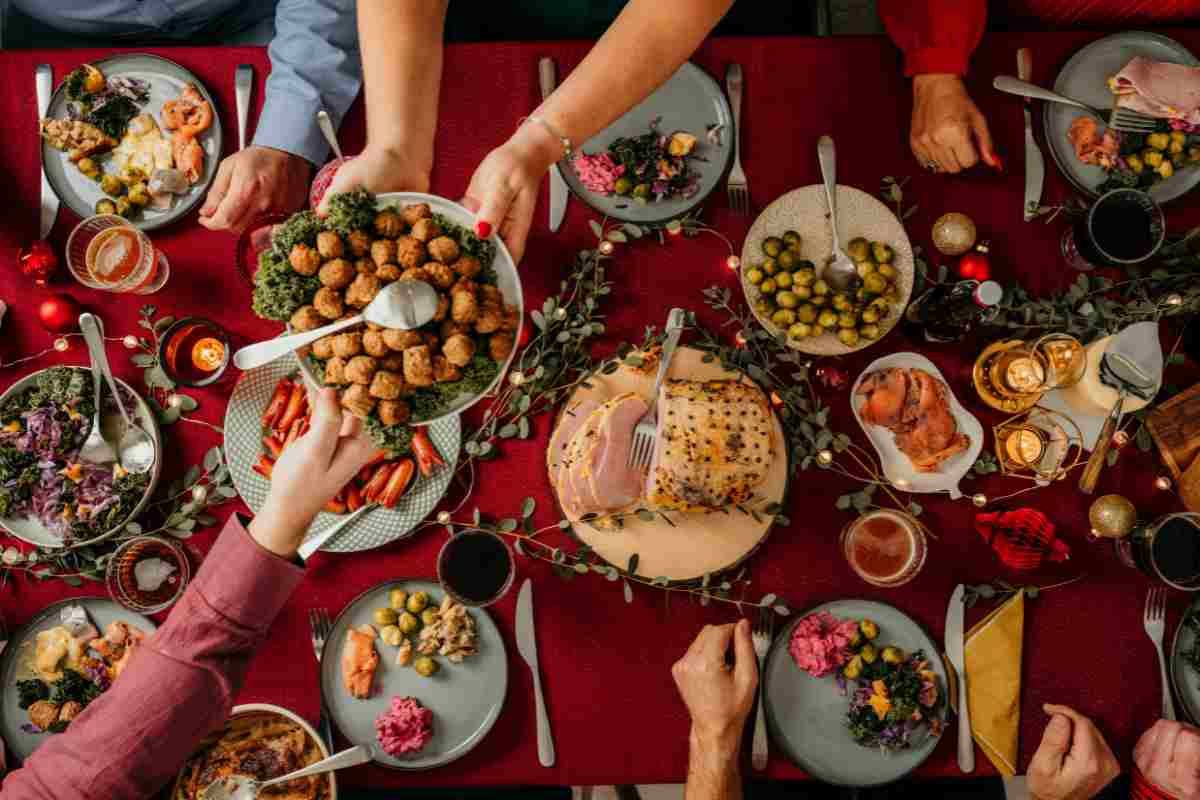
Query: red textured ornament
[
  {"x": 321, "y": 181},
  {"x": 59, "y": 313},
  {"x": 832, "y": 377},
  {"x": 38, "y": 262},
  {"x": 1022, "y": 538},
  {"x": 976, "y": 265}
]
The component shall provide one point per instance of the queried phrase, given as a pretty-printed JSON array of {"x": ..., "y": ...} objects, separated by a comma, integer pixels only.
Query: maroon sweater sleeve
[
  {"x": 935, "y": 35},
  {"x": 179, "y": 686}
]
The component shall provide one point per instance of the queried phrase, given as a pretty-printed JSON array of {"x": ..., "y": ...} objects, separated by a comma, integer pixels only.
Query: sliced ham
[
  {"x": 594, "y": 476},
  {"x": 574, "y": 488},
  {"x": 1159, "y": 89},
  {"x": 1092, "y": 146},
  {"x": 572, "y": 420}
]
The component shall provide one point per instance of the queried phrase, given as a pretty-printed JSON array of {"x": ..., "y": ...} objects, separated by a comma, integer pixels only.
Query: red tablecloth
[{"x": 614, "y": 710}]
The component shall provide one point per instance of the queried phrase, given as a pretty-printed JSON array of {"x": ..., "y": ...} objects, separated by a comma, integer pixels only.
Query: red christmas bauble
[
  {"x": 321, "y": 182},
  {"x": 976, "y": 265},
  {"x": 59, "y": 313},
  {"x": 38, "y": 262}
]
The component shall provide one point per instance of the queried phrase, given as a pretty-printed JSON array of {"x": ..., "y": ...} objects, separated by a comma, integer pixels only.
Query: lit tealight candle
[{"x": 208, "y": 354}]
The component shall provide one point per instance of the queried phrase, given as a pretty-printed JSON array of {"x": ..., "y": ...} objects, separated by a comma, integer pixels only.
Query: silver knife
[
  {"x": 44, "y": 79},
  {"x": 527, "y": 647},
  {"x": 1035, "y": 165},
  {"x": 954, "y": 652},
  {"x": 243, "y": 81},
  {"x": 558, "y": 187}
]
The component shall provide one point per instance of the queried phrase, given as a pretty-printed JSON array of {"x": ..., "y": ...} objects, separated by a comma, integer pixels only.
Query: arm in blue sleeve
[{"x": 315, "y": 64}]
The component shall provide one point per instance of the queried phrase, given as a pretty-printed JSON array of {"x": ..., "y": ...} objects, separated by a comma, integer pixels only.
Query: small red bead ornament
[
  {"x": 38, "y": 262},
  {"x": 976, "y": 265}
]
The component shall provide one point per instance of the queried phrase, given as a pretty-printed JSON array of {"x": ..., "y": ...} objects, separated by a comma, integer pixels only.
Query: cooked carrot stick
[
  {"x": 279, "y": 399},
  {"x": 273, "y": 445},
  {"x": 295, "y": 407},
  {"x": 263, "y": 466},
  {"x": 427, "y": 455},
  {"x": 354, "y": 498},
  {"x": 378, "y": 482},
  {"x": 398, "y": 482}
]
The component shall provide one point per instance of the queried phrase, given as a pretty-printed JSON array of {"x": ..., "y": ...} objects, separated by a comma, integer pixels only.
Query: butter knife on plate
[
  {"x": 527, "y": 647},
  {"x": 1035, "y": 164},
  {"x": 955, "y": 652},
  {"x": 43, "y": 80},
  {"x": 547, "y": 79}
]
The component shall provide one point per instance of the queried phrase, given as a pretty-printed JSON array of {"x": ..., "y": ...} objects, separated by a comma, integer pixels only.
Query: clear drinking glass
[
  {"x": 885, "y": 547},
  {"x": 106, "y": 252},
  {"x": 127, "y": 582},
  {"x": 1167, "y": 549},
  {"x": 1124, "y": 226},
  {"x": 476, "y": 568}
]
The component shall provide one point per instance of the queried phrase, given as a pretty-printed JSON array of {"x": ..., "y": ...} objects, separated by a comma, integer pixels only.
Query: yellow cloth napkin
[{"x": 993, "y": 662}]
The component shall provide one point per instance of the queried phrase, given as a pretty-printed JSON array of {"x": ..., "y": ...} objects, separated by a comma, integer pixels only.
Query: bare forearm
[{"x": 713, "y": 772}]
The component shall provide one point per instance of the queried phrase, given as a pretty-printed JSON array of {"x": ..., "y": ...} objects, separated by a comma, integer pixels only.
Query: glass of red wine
[
  {"x": 476, "y": 568},
  {"x": 1124, "y": 226},
  {"x": 1167, "y": 550}
]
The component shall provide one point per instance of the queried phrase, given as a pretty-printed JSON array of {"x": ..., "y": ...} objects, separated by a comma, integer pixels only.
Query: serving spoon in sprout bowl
[
  {"x": 404, "y": 305},
  {"x": 242, "y": 787}
]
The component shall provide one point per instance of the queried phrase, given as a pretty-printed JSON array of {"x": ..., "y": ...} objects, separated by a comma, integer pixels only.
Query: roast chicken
[{"x": 914, "y": 406}]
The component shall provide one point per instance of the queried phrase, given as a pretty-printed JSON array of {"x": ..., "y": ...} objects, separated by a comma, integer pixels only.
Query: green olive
[
  {"x": 391, "y": 635},
  {"x": 425, "y": 666},
  {"x": 858, "y": 249},
  {"x": 787, "y": 260},
  {"x": 820, "y": 287},
  {"x": 804, "y": 276},
  {"x": 783, "y": 280},
  {"x": 768, "y": 286},
  {"x": 868, "y": 331},
  {"x": 755, "y": 276},
  {"x": 806, "y": 313},
  {"x": 641, "y": 191},
  {"x": 784, "y": 317},
  {"x": 848, "y": 337},
  {"x": 385, "y": 616},
  {"x": 827, "y": 319},
  {"x": 882, "y": 253},
  {"x": 430, "y": 616},
  {"x": 800, "y": 330},
  {"x": 622, "y": 185},
  {"x": 417, "y": 601},
  {"x": 787, "y": 300},
  {"x": 397, "y": 598},
  {"x": 408, "y": 623},
  {"x": 792, "y": 240},
  {"x": 773, "y": 246}
]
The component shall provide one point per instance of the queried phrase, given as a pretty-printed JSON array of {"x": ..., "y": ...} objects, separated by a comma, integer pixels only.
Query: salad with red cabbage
[
  {"x": 41, "y": 432},
  {"x": 894, "y": 700}
]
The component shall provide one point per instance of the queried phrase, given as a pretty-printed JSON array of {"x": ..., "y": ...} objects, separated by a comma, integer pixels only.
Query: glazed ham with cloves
[{"x": 915, "y": 406}]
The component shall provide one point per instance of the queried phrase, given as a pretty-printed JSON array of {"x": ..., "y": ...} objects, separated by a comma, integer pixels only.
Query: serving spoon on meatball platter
[
  {"x": 242, "y": 787},
  {"x": 404, "y": 305}
]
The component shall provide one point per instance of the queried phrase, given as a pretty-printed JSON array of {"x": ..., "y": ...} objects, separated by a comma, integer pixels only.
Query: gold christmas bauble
[
  {"x": 954, "y": 234},
  {"x": 1112, "y": 516}
]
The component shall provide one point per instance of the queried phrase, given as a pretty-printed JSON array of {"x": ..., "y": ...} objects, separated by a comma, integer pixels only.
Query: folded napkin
[{"x": 993, "y": 662}]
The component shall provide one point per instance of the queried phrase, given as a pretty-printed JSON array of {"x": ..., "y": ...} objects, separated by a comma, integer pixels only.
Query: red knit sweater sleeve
[{"x": 935, "y": 35}]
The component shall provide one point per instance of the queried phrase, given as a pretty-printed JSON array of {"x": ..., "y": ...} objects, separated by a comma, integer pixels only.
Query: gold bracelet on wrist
[{"x": 566, "y": 143}]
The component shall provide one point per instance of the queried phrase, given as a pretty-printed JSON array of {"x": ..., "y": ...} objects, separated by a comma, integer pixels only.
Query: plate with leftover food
[
  {"x": 785, "y": 254},
  {"x": 855, "y": 693},
  {"x": 413, "y": 674},
  {"x": 135, "y": 135},
  {"x": 720, "y": 465},
  {"x": 1185, "y": 662},
  {"x": 660, "y": 159},
  {"x": 58, "y": 663},
  {"x": 261, "y": 741},
  {"x": 267, "y": 411},
  {"x": 925, "y": 439},
  {"x": 1147, "y": 73},
  {"x": 48, "y": 496}
]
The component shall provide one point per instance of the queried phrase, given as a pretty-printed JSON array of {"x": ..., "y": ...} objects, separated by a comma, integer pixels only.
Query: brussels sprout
[
  {"x": 772, "y": 246},
  {"x": 124, "y": 207},
  {"x": 792, "y": 240},
  {"x": 755, "y": 276},
  {"x": 869, "y": 653},
  {"x": 787, "y": 260},
  {"x": 806, "y": 313},
  {"x": 848, "y": 337},
  {"x": 1178, "y": 136},
  {"x": 892, "y": 294},
  {"x": 881, "y": 306},
  {"x": 391, "y": 635},
  {"x": 623, "y": 185},
  {"x": 888, "y": 271},
  {"x": 1166, "y": 169},
  {"x": 105, "y": 206},
  {"x": 139, "y": 195},
  {"x": 1135, "y": 163},
  {"x": 385, "y": 616},
  {"x": 1175, "y": 147},
  {"x": 841, "y": 302},
  {"x": 88, "y": 167},
  {"x": 1159, "y": 141},
  {"x": 803, "y": 292},
  {"x": 769, "y": 286},
  {"x": 787, "y": 300},
  {"x": 859, "y": 249},
  {"x": 856, "y": 640},
  {"x": 820, "y": 287},
  {"x": 1193, "y": 154},
  {"x": 870, "y": 331},
  {"x": 806, "y": 276},
  {"x": 131, "y": 175},
  {"x": 869, "y": 629},
  {"x": 770, "y": 266},
  {"x": 869, "y": 315},
  {"x": 864, "y": 268},
  {"x": 784, "y": 317},
  {"x": 397, "y": 598},
  {"x": 819, "y": 300},
  {"x": 1178, "y": 160},
  {"x": 853, "y": 668},
  {"x": 407, "y": 623},
  {"x": 892, "y": 655},
  {"x": 425, "y": 666},
  {"x": 875, "y": 282},
  {"x": 765, "y": 307},
  {"x": 641, "y": 191},
  {"x": 430, "y": 616},
  {"x": 800, "y": 330},
  {"x": 1153, "y": 158},
  {"x": 882, "y": 252},
  {"x": 783, "y": 279},
  {"x": 417, "y": 601},
  {"x": 827, "y": 319},
  {"x": 111, "y": 185},
  {"x": 847, "y": 319}
]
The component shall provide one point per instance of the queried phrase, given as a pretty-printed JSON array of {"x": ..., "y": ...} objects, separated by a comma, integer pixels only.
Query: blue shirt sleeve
[{"x": 314, "y": 64}]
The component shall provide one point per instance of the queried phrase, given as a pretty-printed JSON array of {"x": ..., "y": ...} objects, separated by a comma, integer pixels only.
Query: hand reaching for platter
[
  {"x": 255, "y": 181},
  {"x": 1169, "y": 757},
  {"x": 948, "y": 129},
  {"x": 378, "y": 170},
  {"x": 1073, "y": 762},
  {"x": 718, "y": 698}
]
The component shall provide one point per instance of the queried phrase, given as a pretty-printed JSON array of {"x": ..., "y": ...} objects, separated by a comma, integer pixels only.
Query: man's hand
[
  {"x": 377, "y": 170},
  {"x": 1073, "y": 762},
  {"x": 255, "y": 181},
  {"x": 1169, "y": 757},
  {"x": 947, "y": 127}
]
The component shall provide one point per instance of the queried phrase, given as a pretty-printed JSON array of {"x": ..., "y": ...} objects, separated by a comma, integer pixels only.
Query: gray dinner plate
[
  {"x": 1185, "y": 679},
  {"x": 1085, "y": 77},
  {"x": 690, "y": 101},
  {"x": 167, "y": 79},
  {"x": 807, "y": 716},
  {"x": 102, "y": 611},
  {"x": 466, "y": 699}
]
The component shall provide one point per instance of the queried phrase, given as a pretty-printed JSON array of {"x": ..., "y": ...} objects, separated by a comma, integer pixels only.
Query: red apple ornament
[
  {"x": 321, "y": 182},
  {"x": 976, "y": 265},
  {"x": 59, "y": 313}
]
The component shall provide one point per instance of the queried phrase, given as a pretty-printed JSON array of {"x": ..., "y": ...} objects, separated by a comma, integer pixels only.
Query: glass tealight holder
[
  {"x": 148, "y": 574},
  {"x": 195, "y": 352}
]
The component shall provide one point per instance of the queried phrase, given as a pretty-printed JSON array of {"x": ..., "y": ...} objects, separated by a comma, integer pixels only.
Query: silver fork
[
  {"x": 318, "y": 623},
  {"x": 646, "y": 431},
  {"x": 1155, "y": 621},
  {"x": 735, "y": 184},
  {"x": 764, "y": 631},
  {"x": 1119, "y": 119}
]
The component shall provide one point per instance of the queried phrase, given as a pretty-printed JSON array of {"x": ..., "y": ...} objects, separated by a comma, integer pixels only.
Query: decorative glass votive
[
  {"x": 195, "y": 351},
  {"x": 147, "y": 574},
  {"x": 1036, "y": 444},
  {"x": 1064, "y": 357}
]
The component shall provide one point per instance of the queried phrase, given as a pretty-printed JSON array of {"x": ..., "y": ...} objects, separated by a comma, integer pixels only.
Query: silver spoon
[
  {"x": 404, "y": 305},
  {"x": 242, "y": 787},
  {"x": 326, "y": 126},
  {"x": 839, "y": 272},
  {"x": 314, "y": 543},
  {"x": 135, "y": 451}
]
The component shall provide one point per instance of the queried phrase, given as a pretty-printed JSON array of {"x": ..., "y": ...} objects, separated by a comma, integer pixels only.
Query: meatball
[
  {"x": 348, "y": 345},
  {"x": 467, "y": 266},
  {"x": 69, "y": 711},
  {"x": 393, "y": 362},
  {"x": 512, "y": 319},
  {"x": 500, "y": 345},
  {"x": 444, "y": 249},
  {"x": 358, "y": 401},
  {"x": 417, "y": 211},
  {"x": 416, "y": 274},
  {"x": 307, "y": 318},
  {"x": 336, "y": 274},
  {"x": 443, "y": 308},
  {"x": 383, "y": 251},
  {"x": 335, "y": 372},
  {"x": 489, "y": 318},
  {"x": 360, "y": 243},
  {"x": 393, "y": 412},
  {"x": 491, "y": 294},
  {"x": 304, "y": 259},
  {"x": 388, "y": 273},
  {"x": 450, "y": 328},
  {"x": 463, "y": 307},
  {"x": 328, "y": 303},
  {"x": 329, "y": 245},
  {"x": 323, "y": 348},
  {"x": 363, "y": 291},
  {"x": 402, "y": 340},
  {"x": 465, "y": 285},
  {"x": 43, "y": 713},
  {"x": 387, "y": 385},
  {"x": 410, "y": 252},
  {"x": 444, "y": 371},
  {"x": 374, "y": 344},
  {"x": 459, "y": 349},
  {"x": 432, "y": 341},
  {"x": 361, "y": 370},
  {"x": 442, "y": 276},
  {"x": 418, "y": 366},
  {"x": 389, "y": 224},
  {"x": 425, "y": 230},
  {"x": 364, "y": 266}
]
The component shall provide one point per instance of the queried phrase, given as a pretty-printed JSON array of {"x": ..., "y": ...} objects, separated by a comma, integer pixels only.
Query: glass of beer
[
  {"x": 105, "y": 252},
  {"x": 886, "y": 548}
]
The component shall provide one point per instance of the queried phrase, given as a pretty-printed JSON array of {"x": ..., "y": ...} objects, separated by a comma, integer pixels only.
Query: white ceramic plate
[
  {"x": 380, "y": 526},
  {"x": 896, "y": 465},
  {"x": 31, "y": 529},
  {"x": 806, "y": 211}
]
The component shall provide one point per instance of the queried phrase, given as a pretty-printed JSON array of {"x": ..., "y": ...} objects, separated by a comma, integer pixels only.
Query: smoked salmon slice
[{"x": 359, "y": 660}]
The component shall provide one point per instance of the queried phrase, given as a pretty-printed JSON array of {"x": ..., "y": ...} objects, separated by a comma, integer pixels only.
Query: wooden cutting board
[{"x": 698, "y": 543}]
